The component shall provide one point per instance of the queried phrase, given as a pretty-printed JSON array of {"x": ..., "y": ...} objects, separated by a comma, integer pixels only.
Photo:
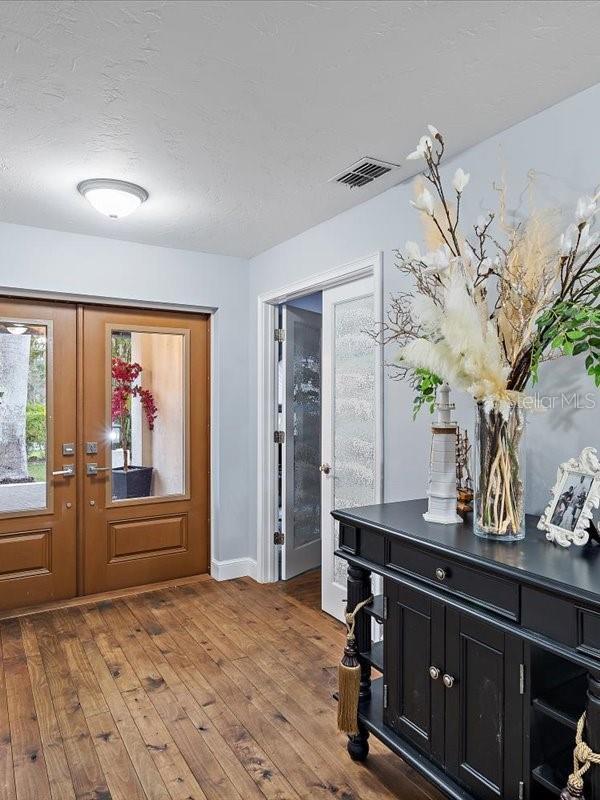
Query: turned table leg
[{"x": 359, "y": 588}]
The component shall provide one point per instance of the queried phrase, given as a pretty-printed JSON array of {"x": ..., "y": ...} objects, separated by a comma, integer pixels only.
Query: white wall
[
  {"x": 51, "y": 261},
  {"x": 559, "y": 145}
]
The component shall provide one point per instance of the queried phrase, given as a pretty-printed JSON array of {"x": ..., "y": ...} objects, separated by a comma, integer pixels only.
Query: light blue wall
[
  {"x": 51, "y": 261},
  {"x": 560, "y": 145}
]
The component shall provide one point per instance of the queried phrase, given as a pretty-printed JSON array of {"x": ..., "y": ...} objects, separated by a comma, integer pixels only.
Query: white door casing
[
  {"x": 267, "y": 422},
  {"x": 351, "y": 419}
]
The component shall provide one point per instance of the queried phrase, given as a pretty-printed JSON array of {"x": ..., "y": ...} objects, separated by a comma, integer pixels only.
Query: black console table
[{"x": 490, "y": 652}]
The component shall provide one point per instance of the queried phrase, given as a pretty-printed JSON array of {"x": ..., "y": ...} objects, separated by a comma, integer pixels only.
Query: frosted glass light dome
[{"x": 113, "y": 198}]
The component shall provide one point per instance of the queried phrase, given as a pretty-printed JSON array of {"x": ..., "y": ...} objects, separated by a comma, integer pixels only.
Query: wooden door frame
[
  {"x": 266, "y": 462},
  {"x": 79, "y": 300}
]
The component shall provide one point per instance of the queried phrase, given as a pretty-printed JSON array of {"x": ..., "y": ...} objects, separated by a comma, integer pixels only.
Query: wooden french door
[
  {"x": 104, "y": 467},
  {"x": 38, "y": 491},
  {"x": 148, "y": 522}
]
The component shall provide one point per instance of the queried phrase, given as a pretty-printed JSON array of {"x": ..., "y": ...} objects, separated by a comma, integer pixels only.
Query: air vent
[{"x": 364, "y": 171}]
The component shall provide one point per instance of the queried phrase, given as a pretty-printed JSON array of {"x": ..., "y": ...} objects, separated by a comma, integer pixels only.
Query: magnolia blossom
[
  {"x": 587, "y": 240},
  {"x": 438, "y": 260},
  {"x": 424, "y": 202},
  {"x": 425, "y": 144},
  {"x": 585, "y": 209},
  {"x": 412, "y": 251},
  {"x": 433, "y": 131},
  {"x": 460, "y": 180},
  {"x": 568, "y": 240}
]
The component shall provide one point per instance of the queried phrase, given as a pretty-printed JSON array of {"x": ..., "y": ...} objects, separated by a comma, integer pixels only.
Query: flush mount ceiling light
[
  {"x": 17, "y": 328},
  {"x": 113, "y": 198}
]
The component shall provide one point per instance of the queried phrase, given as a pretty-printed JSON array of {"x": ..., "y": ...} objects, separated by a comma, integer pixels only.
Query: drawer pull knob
[
  {"x": 434, "y": 672},
  {"x": 441, "y": 574},
  {"x": 448, "y": 681}
]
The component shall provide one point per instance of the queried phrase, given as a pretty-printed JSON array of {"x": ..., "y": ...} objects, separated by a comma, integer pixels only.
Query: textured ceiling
[{"x": 234, "y": 114}]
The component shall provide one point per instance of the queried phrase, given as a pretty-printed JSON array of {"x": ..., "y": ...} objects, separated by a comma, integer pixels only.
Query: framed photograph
[{"x": 574, "y": 497}]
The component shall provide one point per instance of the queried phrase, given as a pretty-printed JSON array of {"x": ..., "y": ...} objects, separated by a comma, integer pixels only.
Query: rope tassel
[
  {"x": 349, "y": 677},
  {"x": 583, "y": 758}
]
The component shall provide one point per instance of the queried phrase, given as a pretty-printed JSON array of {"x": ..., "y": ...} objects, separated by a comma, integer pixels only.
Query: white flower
[
  {"x": 587, "y": 240},
  {"x": 568, "y": 239},
  {"x": 424, "y": 145},
  {"x": 438, "y": 260},
  {"x": 433, "y": 130},
  {"x": 424, "y": 202},
  {"x": 460, "y": 180},
  {"x": 412, "y": 251},
  {"x": 481, "y": 222},
  {"x": 585, "y": 209}
]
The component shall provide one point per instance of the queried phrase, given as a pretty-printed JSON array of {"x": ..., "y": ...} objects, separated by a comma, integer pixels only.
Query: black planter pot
[{"x": 136, "y": 482}]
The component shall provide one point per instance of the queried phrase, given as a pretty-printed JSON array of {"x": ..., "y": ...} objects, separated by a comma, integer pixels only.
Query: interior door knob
[
  {"x": 441, "y": 574},
  {"x": 434, "y": 672},
  {"x": 448, "y": 681},
  {"x": 325, "y": 469}
]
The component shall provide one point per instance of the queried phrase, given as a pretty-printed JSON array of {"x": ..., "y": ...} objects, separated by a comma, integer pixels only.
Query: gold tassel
[
  {"x": 349, "y": 678},
  {"x": 583, "y": 758}
]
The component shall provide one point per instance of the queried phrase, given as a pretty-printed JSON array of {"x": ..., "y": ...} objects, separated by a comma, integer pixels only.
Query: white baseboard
[{"x": 233, "y": 568}]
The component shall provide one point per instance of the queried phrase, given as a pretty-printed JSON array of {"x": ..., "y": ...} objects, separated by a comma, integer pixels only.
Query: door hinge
[
  {"x": 279, "y": 334},
  {"x": 521, "y": 790},
  {"x": 279, "y": 437},
  {"x": 521, "y": 678},
  {"x": 385, "y": 695},
  {"x": 279, "y": 537}
]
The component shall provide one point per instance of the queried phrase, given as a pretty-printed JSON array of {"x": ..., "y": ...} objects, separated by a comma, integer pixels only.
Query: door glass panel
[
  {"x": 354, "y": 466},
  {"x": 306, "y": 410},
  {"x": 23, "y": 416},
  {"x": 148, "y": 414}
]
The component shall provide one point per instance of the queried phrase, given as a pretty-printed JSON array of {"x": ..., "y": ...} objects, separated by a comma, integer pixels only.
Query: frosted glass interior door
[
  {"x": 350, "y": 409},
  {"x": 303, "y": 441}
]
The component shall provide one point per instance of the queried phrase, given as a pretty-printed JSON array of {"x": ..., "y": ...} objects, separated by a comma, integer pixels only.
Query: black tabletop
[{"x": 574, "y": 570}]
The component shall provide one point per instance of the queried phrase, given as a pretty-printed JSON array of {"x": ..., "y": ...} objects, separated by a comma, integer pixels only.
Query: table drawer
[{"x": 491, "y": 591}]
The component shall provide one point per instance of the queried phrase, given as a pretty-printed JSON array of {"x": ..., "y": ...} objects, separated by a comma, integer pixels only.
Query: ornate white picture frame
[{"x": 575, "y": 495}]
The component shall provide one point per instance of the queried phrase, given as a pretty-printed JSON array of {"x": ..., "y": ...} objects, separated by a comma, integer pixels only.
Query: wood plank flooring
[{"x": 206, "y": 691}]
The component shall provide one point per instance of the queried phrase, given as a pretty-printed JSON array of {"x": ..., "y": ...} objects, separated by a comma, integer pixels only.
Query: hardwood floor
[
  {"x": 305, "y": 588},
  {"x": 207, "y": 691}
]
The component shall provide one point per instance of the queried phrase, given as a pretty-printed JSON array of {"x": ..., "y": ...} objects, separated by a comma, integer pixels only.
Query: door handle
[
  {"x": 68, "y": 471},
  {"x": 94, "y": 469},
  {"x": 448, "y": 681},
  {"x": 435, "y": 673},
  {"x": 325, "y": 469}
]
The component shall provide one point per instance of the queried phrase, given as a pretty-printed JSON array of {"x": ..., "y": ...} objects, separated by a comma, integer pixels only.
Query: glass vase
[{"x": 499, "y": 467}]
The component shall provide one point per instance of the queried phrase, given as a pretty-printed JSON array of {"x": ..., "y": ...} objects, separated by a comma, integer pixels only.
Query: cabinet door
[
  {"x": 484, "y": 708},
  {"x": 413, "y": 643}
]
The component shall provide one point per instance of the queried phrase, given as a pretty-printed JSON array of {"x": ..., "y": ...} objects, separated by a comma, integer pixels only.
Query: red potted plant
[{"x": 129, "y": 480}]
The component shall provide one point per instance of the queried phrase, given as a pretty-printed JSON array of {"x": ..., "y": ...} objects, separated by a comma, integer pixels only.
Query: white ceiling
[{"x": 234, "y": 114}]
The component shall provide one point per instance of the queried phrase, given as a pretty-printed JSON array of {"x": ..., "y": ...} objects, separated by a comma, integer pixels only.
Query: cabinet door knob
[
  {"x": 448, "y": 681},
  {"x": 434, "y": 672},
  {"x": 441, "y": 574}
]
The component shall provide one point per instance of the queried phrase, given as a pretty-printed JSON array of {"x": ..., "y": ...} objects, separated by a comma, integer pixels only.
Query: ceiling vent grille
[{"x": 364, "y": 171}]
